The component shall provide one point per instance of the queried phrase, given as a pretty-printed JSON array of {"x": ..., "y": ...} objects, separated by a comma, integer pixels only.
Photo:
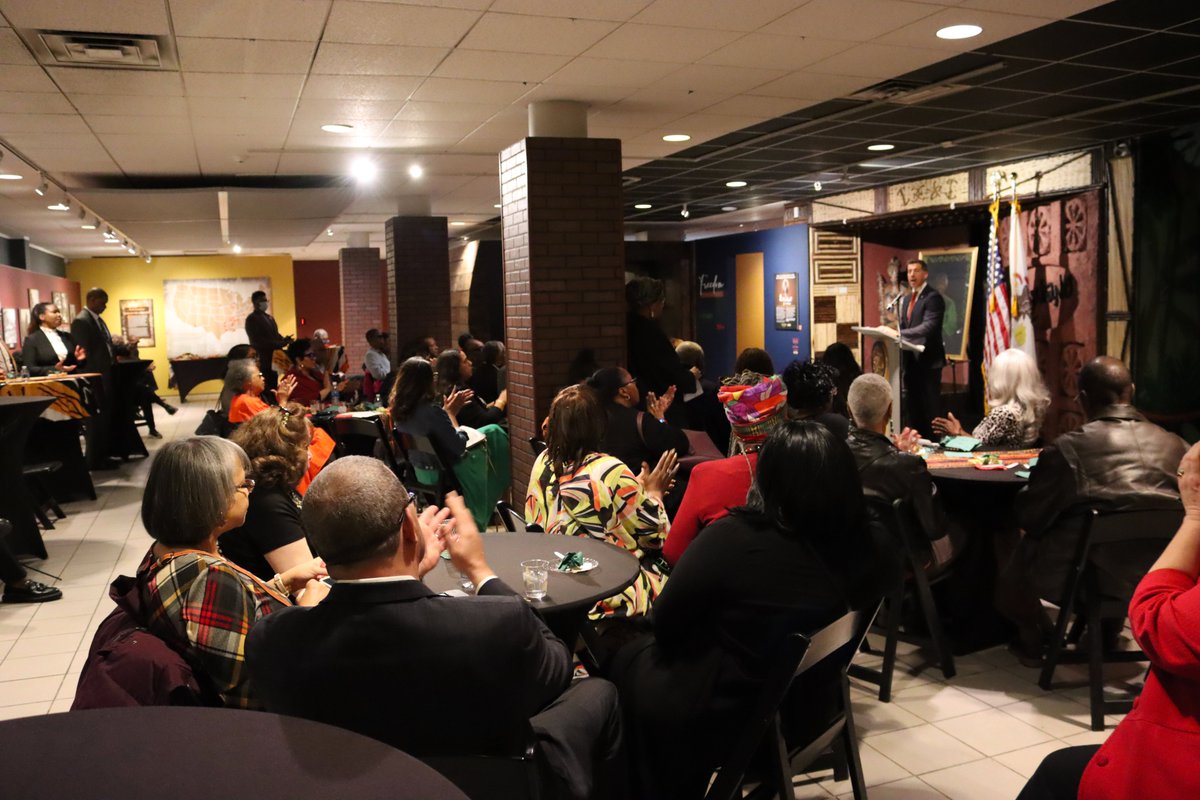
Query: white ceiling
[{"x": 442, "y": 84}]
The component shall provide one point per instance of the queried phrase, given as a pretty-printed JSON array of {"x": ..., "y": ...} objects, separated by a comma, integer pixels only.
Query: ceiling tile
[
  {"x": 309, "y": 127},
  {"x": 244, "y": 55},
  {"x": 134, "y": 105},
  {"x": 811, "y": 86},
  {"x": 13, "y": 50},
  {"x": 272, "y": 108},
  {"x": 360, "y": 87},
  {"x": 79, "y": 80},
  {"x": 374, "y": 59},
  {"x": 59, "y": 161},
  {"x": 224, "y": 84},
  {"x": 448, "y": 112},
  {"x": 670, "y": 99},
  {"x": 455, "y": 90},
  {"x": 754, "y": 106},
  {"x": 731, "y": 80},
  {"x": 719, "y": 15},
  {"x": 25, "y": 79},
  {"x": 50, "y": 123},
  {"x": 619, "y": 10},
  {"x": 588, "y": 71},
  {"x": 1039, "y": 8},
  {"x": 218, "y": 128},
  {"x": 593, "y": 95},
  {"x": 347, "y": 110},
  {"x": 661, "y": 43},
  {"x": 81, "y": 141},
  {"x": 1144, "y": 52},
  {"x": 516, "y": 33},
  {"x": 34, "y": 103},
  {"x": 858, "y": 20},
  {"x": 874, "y": 60},
  {"x": 299, "y": 20},
  {"x": 633, "y": 115},
  {"x": 381, "y": 23},
  {"x": 1137, "y": 14},
  {"x": 173, "y": 126},
  {"x": 142, "y": 16},
  {"x": 485, "y": 65},
  {"x": 769, "y": 51}
]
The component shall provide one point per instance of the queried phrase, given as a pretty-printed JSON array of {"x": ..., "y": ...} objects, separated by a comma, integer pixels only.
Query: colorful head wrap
[{"x": 753, "y": 404}]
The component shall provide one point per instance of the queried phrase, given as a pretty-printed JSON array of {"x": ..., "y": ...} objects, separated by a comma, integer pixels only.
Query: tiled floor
[{"x": 975, "y": 737}]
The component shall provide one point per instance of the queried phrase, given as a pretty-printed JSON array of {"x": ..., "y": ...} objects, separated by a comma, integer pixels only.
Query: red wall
[
  {"x": 318, "y": 298},
  {"x": 16, "y": 283}
]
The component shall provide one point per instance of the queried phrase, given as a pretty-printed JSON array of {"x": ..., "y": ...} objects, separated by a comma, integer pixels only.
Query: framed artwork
[
  {"x": 137, "y": 320},
  {"x": 952, "y": 275},
  {"x": 12, "y": 336},
  {"x": 207, "y": 316},
  {"x": 25, "y": 316},
  {"x": 35, "y": 297},
  {"x": 71, "y": 310},
  {"x": 60, "y": 300},
  {"x": 786, "y": 318}
]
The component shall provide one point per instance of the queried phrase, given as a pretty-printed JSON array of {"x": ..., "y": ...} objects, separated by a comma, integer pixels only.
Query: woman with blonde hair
[{"x": 1018, "y": 398}]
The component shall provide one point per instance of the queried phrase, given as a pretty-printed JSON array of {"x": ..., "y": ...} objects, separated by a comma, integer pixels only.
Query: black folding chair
[
  {"x": 511, "y": 772},
  {"x": 1141, "y": 537},
  {"x": 536, "y": 445},
  {"x": 807, "y": 666},
  {"x": 420, "y": 452},
  {"x": 513, "y": 520},
  {"x": 367, "y": 436},
  {"x": 914, "y": 584}
]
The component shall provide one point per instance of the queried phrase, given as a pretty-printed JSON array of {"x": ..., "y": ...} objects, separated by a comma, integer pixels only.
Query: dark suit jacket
[
  {"x": 39, "y": 355},
  {"x": 924, "y": 327},
  {"x": 623, "y": 439},
  {"x": 423, "y": 672},
  {"x": 264, "y": 334},
  {"x": 89, "y": 336}
]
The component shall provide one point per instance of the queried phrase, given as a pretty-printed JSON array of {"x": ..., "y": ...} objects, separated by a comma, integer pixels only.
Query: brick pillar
[
  {"x": 564, "y": 268},
  {"x": 418, "y": 280},
  {"x": 360, "y": 274}
]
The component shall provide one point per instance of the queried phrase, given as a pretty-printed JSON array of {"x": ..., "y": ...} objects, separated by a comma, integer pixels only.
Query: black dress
[
  {"x": 272, "y": 521},
  {"x": 652, "y": 360},
  {"x": 477, "y": 413},
  {"x": 736, "y": 592},
  {"x": 623, "y": 439}
]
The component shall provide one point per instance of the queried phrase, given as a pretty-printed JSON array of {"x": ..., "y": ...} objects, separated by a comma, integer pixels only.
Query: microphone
[{"x": 895, "y": 300}]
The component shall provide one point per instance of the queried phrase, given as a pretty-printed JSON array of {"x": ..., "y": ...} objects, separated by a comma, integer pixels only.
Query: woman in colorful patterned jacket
[{"x": 578, "y": 491}]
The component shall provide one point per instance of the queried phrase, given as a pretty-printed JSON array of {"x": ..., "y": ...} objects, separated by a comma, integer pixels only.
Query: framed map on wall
[{"x": 206, "y": 317}]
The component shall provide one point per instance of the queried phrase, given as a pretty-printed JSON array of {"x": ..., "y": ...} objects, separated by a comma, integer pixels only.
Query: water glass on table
[{"x": 536, "y": 574}]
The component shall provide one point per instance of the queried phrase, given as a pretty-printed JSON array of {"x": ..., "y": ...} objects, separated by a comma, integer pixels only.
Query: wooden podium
[{"x": 894, "y": 344}]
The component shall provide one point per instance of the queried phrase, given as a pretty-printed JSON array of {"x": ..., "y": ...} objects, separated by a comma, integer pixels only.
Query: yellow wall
[
  {"x": 134, "y": 279},
  {"x": 750, "y": 313}
]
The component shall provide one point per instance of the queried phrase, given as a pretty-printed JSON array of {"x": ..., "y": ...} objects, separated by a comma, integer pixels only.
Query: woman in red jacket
[{"x": 1153, "y": 752}]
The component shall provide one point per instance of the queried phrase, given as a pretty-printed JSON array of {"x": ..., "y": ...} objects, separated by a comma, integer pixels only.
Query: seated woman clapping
[
  {"x": 194, "y": 599},
  {"x": 795, "y": 558},
  {"x": 1018, "y": 399},
  {"x": 577, "y": 490},
  {"x": 272, "y": 538}
]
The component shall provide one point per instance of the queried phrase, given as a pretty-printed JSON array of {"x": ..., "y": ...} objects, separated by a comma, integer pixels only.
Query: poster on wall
[
  {"x": 11, "y": 337},
  {"x": 137, "y": 321},
  {"x": 35, "y": 297},
  {"x": 71, "y": 311},
  {"x": 786, "y": 318},
  {"x": 25, "y": 317},
  {"x": 60, "y": 300},
  {"x": 952, "y": 275},
  {"x": 206, "y": 317}
]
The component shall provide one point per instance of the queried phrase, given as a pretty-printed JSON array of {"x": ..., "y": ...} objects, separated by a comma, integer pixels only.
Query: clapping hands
[
  {"x": 657, "y": 406},
  {"x": 658, "y": 481},
  {"x": 287, "y": 385},
  {"x": 456, "y": 401}
]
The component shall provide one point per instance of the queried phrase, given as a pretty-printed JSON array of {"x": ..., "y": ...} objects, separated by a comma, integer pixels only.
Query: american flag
[{"x": 999, "y": 322}]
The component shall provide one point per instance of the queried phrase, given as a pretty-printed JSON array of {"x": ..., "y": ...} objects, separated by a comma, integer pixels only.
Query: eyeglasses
[
  {"x": 626, "y": 383},
  {"x": 247, "y": 484},
  {"x": 309, "y": 355}
]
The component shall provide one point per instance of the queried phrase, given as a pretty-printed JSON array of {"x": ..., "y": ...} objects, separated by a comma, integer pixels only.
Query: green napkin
[
  {"x": 965, "y": 443},
  {"x": 570, "y": 561}
]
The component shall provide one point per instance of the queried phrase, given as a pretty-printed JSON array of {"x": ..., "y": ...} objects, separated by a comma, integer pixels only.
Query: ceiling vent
[
  {"x": 906, "y": 92},
  {"x": 107, "y": 50}
]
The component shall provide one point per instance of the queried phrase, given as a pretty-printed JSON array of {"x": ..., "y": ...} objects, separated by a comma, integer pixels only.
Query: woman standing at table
[
  {"x": 47, "y": 349},
  {"x": 1018, "y": 398},
  {"x": 192, "y": 597},
  {"x": 576, "y": 490},
  {"x": 272, "y": 538},
  {"x": 795, "y": 558}
]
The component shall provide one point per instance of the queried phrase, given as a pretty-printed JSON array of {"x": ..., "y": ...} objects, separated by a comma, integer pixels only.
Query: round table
[
  {"x": 199, "y": 753},
  {"x": 566, "y": 592}
]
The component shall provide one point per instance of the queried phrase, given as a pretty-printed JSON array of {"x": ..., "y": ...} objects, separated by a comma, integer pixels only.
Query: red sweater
[
  {"x": 714, "y": 487},
  {"x": 1152, "y": 753}
]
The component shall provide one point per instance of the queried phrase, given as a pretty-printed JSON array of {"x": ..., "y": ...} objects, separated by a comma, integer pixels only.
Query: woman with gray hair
[
  {"x": 651, "y": 357},
  {"x": 1018, "y": 399},
  {"x": 193, "y": 599}
]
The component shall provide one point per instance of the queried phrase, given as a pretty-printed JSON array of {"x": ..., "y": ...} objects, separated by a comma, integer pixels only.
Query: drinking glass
[{"x": 536, "y": 573}]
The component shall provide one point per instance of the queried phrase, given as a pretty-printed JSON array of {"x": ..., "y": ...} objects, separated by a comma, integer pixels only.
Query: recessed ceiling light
[
  {"x": 9, "y": 176},
  {"x": 879, "y": 148},
  {"x": 677, "y": 137},
  {"x": 89, "y": 224},
  {"x": 496, "y": 205},
  {"x": 735, "y": 184},
  {"x": 329, "y": 231},
  {"x": 337, "y": 127},
  {"x": 959, "y": 32},
  {"x": 237, "y": 248},
  {"x": 364, "y": 169},
  {"x": 642, "y": 206},
  {"x": 729, "y": 208},
  {"x": 416, "y": 171},
  {"x": 61, "y": 205},
  {"x": 459, "y": 224}
]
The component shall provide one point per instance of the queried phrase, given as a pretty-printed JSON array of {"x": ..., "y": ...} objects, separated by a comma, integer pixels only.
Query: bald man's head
[{"x": 1104, "y": 381}]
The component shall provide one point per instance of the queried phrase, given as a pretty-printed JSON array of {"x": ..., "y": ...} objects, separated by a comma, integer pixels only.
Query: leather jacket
[
  {"x": 890, "y": 474},
  {"x": 1117, "y": 461}
]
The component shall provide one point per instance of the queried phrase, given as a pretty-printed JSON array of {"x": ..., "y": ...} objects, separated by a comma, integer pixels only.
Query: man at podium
[{"x": 921, "y": 313}]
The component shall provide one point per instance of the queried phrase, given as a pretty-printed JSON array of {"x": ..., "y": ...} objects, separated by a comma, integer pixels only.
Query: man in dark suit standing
[
  {"x": 90, "y": 332},
  {"x": 264, "y": 336},
  {"x": 921, "y": 323},
  {"x": 433, "y": 675}
]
